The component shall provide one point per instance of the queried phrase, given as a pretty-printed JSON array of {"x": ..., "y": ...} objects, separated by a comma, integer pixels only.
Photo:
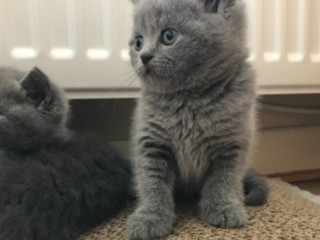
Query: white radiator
[
  {"x": 82, "y": 44},
  {"x": 284, "y": 39}
]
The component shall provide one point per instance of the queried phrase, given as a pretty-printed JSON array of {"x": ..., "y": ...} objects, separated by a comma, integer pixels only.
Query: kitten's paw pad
[
  {"x": 146, "y": 226},
  {"x": 225, "y": 217}
]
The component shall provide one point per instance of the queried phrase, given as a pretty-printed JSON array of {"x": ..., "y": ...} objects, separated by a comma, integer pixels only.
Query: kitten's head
[
  {"x": 33, "y": 111},
  {"x": 185, "y": 44}
]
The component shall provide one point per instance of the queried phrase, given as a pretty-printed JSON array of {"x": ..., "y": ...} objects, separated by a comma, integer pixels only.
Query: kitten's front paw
[
  {"x": 146, "y": 225},
  {"x": 233, "y": 216}
]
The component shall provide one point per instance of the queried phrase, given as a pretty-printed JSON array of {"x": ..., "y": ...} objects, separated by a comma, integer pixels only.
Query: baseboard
[
  {"x": 297, "y": 176},
  {"x": 286, "y": 150},
  {"x": 293, "y": 176}
]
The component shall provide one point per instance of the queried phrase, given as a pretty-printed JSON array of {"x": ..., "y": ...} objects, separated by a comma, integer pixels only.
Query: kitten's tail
[{"x": 255, "y": 188}]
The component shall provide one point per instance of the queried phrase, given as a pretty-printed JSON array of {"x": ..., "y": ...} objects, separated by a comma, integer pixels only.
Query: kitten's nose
[{"x": 146, "y": 58}]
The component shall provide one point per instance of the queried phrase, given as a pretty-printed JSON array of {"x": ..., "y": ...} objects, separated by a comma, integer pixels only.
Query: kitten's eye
[
  {"x": 138, "y": 43},
  {"x": 169, "y": 36}
]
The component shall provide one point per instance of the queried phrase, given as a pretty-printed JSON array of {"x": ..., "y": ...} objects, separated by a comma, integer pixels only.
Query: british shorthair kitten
[{"x": 194, "y": 124}]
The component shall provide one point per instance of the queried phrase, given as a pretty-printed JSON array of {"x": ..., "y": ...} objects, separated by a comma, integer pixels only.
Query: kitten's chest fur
[
  {"x": 202, "y": 127},
  {"x": 188, "y": 129},
  {"x": 186, "y": 133}
]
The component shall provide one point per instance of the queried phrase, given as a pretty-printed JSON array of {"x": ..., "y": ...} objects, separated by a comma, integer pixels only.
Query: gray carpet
[{"x": 286, "y": 216}]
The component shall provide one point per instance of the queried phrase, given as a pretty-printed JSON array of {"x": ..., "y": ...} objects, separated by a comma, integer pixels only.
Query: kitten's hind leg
[
  {"x": 222, "y": 197},
  {"x": 154, "y": 216}
]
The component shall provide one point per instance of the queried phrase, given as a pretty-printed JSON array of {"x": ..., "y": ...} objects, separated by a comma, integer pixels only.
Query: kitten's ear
[
  {"x": 37, "y": 86},
  {"x": 217, "y": 6}
]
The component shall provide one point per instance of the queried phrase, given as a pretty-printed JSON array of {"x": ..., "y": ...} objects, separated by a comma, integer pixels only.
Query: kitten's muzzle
[{"x": 146, "y": 58}]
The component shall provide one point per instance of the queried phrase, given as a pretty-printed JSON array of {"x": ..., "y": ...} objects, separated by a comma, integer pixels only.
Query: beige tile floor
[{"x": 312, "y": 186}]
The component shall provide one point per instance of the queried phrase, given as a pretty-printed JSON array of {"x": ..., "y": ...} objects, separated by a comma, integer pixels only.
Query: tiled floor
[{"x": 312, "y": 186}]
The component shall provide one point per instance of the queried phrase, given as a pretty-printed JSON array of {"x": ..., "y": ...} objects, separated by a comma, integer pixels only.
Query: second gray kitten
[
  {"x": 54, "y": 184},
  {"x": 195, "y": 121}
]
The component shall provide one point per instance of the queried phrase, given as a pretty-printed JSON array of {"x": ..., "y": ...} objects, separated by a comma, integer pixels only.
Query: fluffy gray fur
[
  {"x": 195, "y": 121},
  {"x": 54, "y": 184}
]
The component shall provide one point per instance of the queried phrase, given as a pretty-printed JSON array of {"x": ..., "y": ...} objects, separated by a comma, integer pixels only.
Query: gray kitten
[
  {"x": 195, "y": 120},
  {"x": 54, "y": 184}
]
